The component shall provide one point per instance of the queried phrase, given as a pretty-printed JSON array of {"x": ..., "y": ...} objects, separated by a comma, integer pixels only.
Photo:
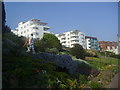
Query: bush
[
  {"x": 91, "y": 53},
  {"x": 39, "y": 46},
  {"x": 83, "y": 68},
  {"x": 78, "y": 51},
  {"x": 94, "y": 85},
  {"x": 50, "y": 41},
  {"x": 82, "y": 79},
  {"x": 26, "y": 72},
  {"x": 52, "y": 50},
  {"x": 12, "y": 44}
]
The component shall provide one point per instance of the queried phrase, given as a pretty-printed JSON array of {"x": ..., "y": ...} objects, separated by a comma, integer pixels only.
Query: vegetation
[
  {"x": 46, "y": 70},
  {"x": 78, "y": 51},
  {"x": 91, "y": 53},
  {"x": 12, "y": 44},
  {"x": 48, "y": 41}
]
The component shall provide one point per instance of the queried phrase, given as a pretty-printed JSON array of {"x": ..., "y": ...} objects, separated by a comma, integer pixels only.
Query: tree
[
  {"x": 5, "y": 28},
  {"x": 3, "y": 14},
  {"x": 38, "y": 45},
  {"x": 78, "y": 51},
  {"x": 48, "y": 41}
]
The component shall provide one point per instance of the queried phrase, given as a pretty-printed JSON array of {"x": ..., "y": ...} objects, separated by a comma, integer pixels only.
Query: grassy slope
[{"x": 108, "y": 67}]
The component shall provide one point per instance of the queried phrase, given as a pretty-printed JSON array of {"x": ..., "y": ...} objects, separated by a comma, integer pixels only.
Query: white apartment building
[
  {"x": 34, "y": 26},
  {"x": 68, "y": 39}
]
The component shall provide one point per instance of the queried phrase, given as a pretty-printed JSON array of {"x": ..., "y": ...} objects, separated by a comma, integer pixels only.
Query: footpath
[{"x": 115, "y": 82}]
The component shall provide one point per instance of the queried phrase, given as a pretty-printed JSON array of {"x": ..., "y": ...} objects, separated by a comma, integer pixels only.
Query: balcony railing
[{"x": 74, "y": 34}]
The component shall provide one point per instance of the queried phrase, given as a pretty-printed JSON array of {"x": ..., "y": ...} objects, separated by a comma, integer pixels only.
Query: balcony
[
  {"x": 63, "y": 41},
  {"x": 63, "y": 36},
  {"x": 74, "y": 34},
  {"x": 74, "y": 41}
]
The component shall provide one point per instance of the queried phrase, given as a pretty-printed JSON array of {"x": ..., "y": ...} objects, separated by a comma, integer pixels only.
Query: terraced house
[
  {"x": 109, "y": 46},
  {"x": 34, "y": 26}
]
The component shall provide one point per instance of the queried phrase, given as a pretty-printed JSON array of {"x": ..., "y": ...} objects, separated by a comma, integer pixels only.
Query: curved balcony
[
  {"x": 74, "y": 39},
  {"x": 74, "y": 34},
  {"x": 74, "y": 42}
]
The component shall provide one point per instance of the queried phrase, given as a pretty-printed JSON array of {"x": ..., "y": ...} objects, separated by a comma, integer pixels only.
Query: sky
[{"x": 96, "y": 19}]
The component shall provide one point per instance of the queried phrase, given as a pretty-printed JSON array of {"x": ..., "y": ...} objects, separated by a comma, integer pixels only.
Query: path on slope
[{"x": 115, "y": 82}]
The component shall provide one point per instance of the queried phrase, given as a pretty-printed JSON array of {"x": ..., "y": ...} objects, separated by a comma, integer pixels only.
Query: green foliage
[
  {"x": 78, "y": 51},
  {"x": 39, "y": 46},
  {"x": 84, "y": 68},
  {"x": 63, "y": 86},
  {"x": 12, "y": 44},
  {"x": 50, "y": 41},
  {"x": 65, "y": 50},
  {"x": 5, "y": 29},
  {"x": 3, "y": 14},
  {"x": 52, "y": 50},
  {"x": 94, "y": 85},
  {"x": 71, "y": 83},
  {"x": 91, "y": 53},
  {"x": 82, "y": 79},
  {"x": 27, "y": 72}
]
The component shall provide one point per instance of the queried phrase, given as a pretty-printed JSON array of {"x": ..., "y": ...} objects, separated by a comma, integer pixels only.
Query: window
[
  {"x": 31, "y": 24},
  {"x": 82, "y": 34},
  {"x": 37, "y": 33},
  {"x": 35, "y": 27}
]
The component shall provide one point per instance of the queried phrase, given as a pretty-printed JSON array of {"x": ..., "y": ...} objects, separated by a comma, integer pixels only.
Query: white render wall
[
  {"x": 87, "y": 43},
  {"x": 32, "y": 26},
  {"x": 68, "y": 39}
]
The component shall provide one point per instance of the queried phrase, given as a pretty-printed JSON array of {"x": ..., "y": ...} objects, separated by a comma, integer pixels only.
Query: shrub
[
  {"x": 94, "y": 85},
  {"x": 83, "y": 68},
  {"x": 82, "y": 79},
  {"x": 39, "y": 46},
  {"x": 52, "y": 50},
  {"x": 78, "y": 51},
  {"x": 91, "y": 53},
  {"x": 12, "y": 44},
  {"x": 50, "y": 41},
  {"x": 63, "y": 86}
]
